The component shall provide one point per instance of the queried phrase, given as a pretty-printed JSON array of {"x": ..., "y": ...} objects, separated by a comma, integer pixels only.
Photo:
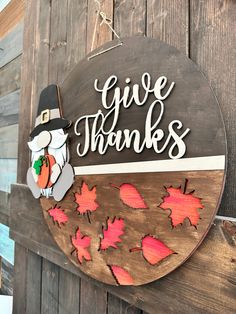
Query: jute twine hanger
[{"x": 108, "y": 22}]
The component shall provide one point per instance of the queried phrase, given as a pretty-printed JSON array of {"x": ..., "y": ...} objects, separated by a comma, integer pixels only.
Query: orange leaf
[
  {"x": 153, "y": 250},
  {"x": 121, "y": 275},
  {"x": 86, "y": 199},
  {"x": 58, "y": 215},
  {"x": 112, "y": 233},
  {"x": 182, "y": 206},
  {"x": 130, "y": 196},
  {"x": 81, "y": 243}
]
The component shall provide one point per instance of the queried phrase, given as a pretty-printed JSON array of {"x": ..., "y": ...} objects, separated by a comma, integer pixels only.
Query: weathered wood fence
[{"x": 57, "y": 34}]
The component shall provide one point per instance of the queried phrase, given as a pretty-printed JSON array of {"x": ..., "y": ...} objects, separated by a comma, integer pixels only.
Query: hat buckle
[{"x": 45, "y": 116}]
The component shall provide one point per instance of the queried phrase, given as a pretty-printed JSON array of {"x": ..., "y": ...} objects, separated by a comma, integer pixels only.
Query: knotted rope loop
[{"x": 108, "y": 22}]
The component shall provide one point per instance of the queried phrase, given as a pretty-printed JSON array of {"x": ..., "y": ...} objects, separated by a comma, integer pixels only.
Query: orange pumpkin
[{"x": 46, "y": 171}]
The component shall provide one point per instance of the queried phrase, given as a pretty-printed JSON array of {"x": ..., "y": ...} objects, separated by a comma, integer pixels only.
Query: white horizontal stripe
[
  {"x": 184, "y": 164},
  {"x": 226, "y": 218}
]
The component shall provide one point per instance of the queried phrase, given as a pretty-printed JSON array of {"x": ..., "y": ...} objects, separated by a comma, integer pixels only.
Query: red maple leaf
[
  {"x": 81, "y": 243},
  {"x": 182, "y": 205},
  {"x": 153, "y": 250},
  {"x": 86, "y": 200},
  {"x": 130, "y": 196},
  {"x": 58, "y": 215},
  {"x": 121, "y": 275},
  {"x": 112, "y": 233}
]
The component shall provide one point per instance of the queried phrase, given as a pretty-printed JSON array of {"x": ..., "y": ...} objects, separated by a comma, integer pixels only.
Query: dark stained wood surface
[
  {"x": 207, "y": 136},
  {"x": 154, "y": 221}
]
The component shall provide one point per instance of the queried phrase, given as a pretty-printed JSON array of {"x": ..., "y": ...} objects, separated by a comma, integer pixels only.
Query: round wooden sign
[{"x": 147, "y": 161}]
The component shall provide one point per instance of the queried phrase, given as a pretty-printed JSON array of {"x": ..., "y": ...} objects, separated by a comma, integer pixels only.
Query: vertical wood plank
[
  {"x": 213, "y": 38},
  {"x": 130, "y": 17},
  {"x": 76, "y": 32},
  {"x": 93, "y": 299},
  {"x": 33, "y": 289},
  {"x": 20, "y": 271},
  {"x": 25, "y": 120},
  {"x": 98, "y": 34},
  {"x": 41, "y": 58},
  {"x": 69, "y": 293},
  {"x": 118, "y": 306},
  {"x": 169, "y": 21},
  {"x": 58, "y": 41},
  {"x": 50, "y": 288}
]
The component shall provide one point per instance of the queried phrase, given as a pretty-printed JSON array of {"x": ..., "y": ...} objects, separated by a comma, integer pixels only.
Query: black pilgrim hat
[{"x": 49, "y": 115}]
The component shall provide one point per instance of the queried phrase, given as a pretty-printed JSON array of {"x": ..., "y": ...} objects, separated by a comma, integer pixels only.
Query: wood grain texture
[
  {"x": 7, "y": 274},
  {"x": 212, "y": 285},
  {"x": 4, "y": 208},
  {"x": 50, "y": 288},
  {"x": 9, "y": 141},
  {"x": 11, "y": 45},
  {"x": 206, "y": 136},
  {"x": 94, "y": 299},
  {"x": 25, "y": 111},
  {"x": 169, "y": 21},
  {"x": 10, "y": 77},
  {"x": 9, "y": 109},
  {"x": 11, "y": 15},
  {"x": 40, "y": 67},
  {"x": 213, "y": 49},
  {"x": 69, "y": 293},
  {"x": 118, "y": 306},
  {"x": 130, "y": 17},
  {"x": 76, "y": 33},
  {"x": 58, "y": 41},
  {"x": 20, "y": 286},
  {"x": 98, "y": 34},
  {"x": 33, "y": 283},
  {"x": 154, "y": 221}
]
